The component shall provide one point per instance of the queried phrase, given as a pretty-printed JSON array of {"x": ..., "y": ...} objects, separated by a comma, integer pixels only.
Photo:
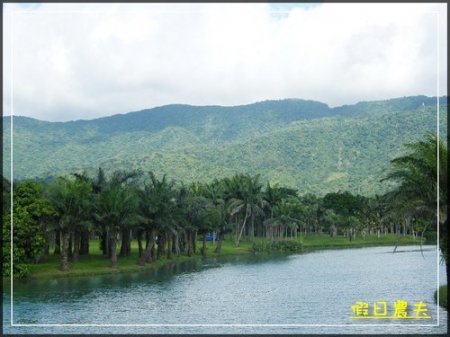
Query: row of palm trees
[
  {"x": 166, "y": 217},
  {"x": 159, "y": 210}
]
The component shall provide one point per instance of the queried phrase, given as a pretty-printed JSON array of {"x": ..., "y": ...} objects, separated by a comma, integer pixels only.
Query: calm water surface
[{"x": 308, "y": 293}]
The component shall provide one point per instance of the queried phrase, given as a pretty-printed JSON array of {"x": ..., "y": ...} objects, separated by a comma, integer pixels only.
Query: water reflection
[{"x": 317, "y": 288}]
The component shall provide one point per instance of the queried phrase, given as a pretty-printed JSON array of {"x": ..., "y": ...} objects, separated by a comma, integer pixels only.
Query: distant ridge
[{"x": 301, "y": 143}]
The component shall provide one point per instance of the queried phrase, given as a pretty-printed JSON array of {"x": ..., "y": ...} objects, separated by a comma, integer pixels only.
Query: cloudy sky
[{"x": 82, "y": 61}]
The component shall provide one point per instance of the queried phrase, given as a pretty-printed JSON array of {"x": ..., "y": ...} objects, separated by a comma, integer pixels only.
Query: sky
[{"x": 82, "y": 61}]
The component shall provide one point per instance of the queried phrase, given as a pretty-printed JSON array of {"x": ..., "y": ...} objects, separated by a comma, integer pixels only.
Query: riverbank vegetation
[
  {"x": 125, "y": 221},
  {"x": 97, "y": 263},
  {"x": 443, "y": 298}
]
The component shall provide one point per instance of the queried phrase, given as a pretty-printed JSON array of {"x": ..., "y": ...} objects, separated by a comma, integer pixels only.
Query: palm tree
[
  {"x": 101, "y": 183},
  {"x": 422, "y": 190},
  {"x": 192, "y": 207},
  {"x": 215, "y": 194},
  {"x": 156, "y": 209},
  {"x": 183, "y": 218},
  {"x": 249, "y": 202},
  {"x": 71, "y": 200},
  {"x": 116, "y": 209},
  {"x": 98, "y": 183},
  {"x": 232, "y": 190},
  {"x": 82, "y": 231},
  {"x": 273, "y": 195},
  {"x": 284, "y": 217},
  {"x": 309, "y": 207}
]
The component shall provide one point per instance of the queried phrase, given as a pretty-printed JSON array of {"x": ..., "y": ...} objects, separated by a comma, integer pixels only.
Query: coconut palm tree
[
  {"x": 273, "y": 195},
  {"x": 283, "y": 218},
  {"x": 421, "y": 175},
  {"x": 248, "y": 202}
]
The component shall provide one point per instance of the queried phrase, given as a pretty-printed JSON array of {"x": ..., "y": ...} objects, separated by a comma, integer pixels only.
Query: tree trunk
[
  {"x": 147, "y": 256},
  {"x": 70, "y": 246},
  {"x": 148, "y": 237},
  {"x": 252, "y": 229},
  {"x": 203, "y": 249},
  {"x": 176, "y": 243},
  {"x": 194, "y": 241},
  {"x": 161, "y": 243},
  {"x": 169, "y": 245},
  {"x": 104, "y": 242},
  {"x": 107, "y": 245},
  {"x": 76, "y": 245},
  {"x": 47, "y": 249},
  {"x": 128, "y": 246},
  {"x": 242, "y": 229},
  {"x": 139, "y": 241},
  {"x": 189, "y": 243},
  {"x": 125, "y": 248},
  {"x": 64, "y": 251},
  {"x": 113, "y": 253},
  {"x": 49, "y": 240},
  {"x": 399, "y": 239},
  {"x": 84, "y": 244},
  {"x": 237, "y": 229},
  {"x": 219, "y": 243},
  {"x": 182, "y": 241},
  {"x": 57, "y": 242}
]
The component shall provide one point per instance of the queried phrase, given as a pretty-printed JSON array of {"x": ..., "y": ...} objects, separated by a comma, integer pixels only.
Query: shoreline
[
  {"x": 96, "y": 264},
  {"x": 50, "y": 269}
]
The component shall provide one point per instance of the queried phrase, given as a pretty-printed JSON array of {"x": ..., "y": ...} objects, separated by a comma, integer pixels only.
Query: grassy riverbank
[{"x": 96, "y": 263}]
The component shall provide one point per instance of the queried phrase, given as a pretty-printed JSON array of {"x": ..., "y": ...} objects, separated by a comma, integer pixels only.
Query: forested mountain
[{"x": 297, "y": 143}]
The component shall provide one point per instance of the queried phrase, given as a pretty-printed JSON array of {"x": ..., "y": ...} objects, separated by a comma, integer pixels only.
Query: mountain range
[{"x": 296, "y": 143}]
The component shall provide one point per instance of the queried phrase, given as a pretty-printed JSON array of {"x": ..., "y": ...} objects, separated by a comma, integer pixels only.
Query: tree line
[{"x": 168, "y": 218}]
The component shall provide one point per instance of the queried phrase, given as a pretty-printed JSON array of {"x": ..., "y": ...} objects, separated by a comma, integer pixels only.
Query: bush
[{"x": 285, "y": 246}]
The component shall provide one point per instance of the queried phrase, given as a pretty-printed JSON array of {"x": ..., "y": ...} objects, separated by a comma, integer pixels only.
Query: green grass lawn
[{"x": 96, "y": 263}]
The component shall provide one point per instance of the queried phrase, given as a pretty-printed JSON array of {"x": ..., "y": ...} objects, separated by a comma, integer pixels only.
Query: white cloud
[{"x": 73, "y": 61}]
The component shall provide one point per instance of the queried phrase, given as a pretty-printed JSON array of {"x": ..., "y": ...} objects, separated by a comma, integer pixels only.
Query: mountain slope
[
  {"x": 298, "y": 143},
  {"x": 318, "y": 156}
]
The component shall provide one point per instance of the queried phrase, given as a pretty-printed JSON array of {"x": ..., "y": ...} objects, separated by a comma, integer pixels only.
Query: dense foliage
[
  {"x": 277, "y": 247},
  {"x": 172, "y": 218},
  {"x": 423, "y": 189},
  {"x": 302, "y": 144},
  {"x": 31, "y": 212},
  {"x": 276, "y": 170}
]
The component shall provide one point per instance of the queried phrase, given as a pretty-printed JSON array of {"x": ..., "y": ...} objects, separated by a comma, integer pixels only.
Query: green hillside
[{"x": 297, "y": 143}]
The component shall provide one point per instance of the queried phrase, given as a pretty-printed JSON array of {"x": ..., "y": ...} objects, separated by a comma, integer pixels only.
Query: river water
[{"x": 307, "y": 293}]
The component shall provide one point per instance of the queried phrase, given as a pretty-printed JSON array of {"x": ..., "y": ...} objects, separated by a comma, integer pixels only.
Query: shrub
[{"x": 286, "y": 246}]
